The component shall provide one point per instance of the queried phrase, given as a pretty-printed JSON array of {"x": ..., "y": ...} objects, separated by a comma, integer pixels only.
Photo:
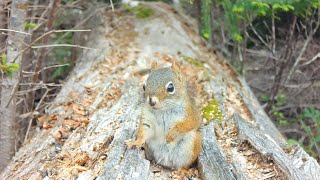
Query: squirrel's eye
[
  {"x": 170, "y": 88},
  {"x": 144, "y": 87}
]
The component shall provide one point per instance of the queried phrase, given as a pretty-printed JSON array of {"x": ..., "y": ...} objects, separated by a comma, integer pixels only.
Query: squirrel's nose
[{"x": 152, "y": 102}]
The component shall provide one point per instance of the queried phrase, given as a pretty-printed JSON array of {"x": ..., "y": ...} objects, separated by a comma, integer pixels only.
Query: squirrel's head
[{"x": 165, "y": 87}]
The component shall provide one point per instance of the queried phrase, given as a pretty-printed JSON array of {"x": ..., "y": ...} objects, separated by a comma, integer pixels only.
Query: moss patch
[
  {"x": 212, "y": 111},
  {"x": 141, "y": 11},
  {"x": 192, "y": 61}
]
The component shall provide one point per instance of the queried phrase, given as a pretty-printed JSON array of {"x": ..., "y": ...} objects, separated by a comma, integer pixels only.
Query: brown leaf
[
  {"x": 71, "y": 123},
  {"x": 46, "y": 125},
  {"x": 78, "y": 110}
]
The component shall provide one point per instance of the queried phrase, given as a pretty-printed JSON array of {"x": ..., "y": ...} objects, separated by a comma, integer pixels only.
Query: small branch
[
  {"x": 284, "y": 63},
  {"x": 28, "y": 129},
  {"x": 112, "y": 7},
  {"x": 261, "y": 53},
  {"x": 45, "y": 68},
  {"x": 63, "y": 45},
  {"x": 240, "y": 58},
  {"x": 10, "y": 30},
  {"x": 41, "y": 84},
  {"x": 311, "y": 60},
  {"x": 42, "y": 36},
  {"x": 79, "y": 24},
  {"x": 260, "y": 38},
  {"x": 30, "y": 122},
  {"x": 273, "y": 34},
  {"x": 41, "y": 100},
  {"x": 16, "y": 86},
  {"x": 13, "y": 92},
  {"x": 311, "y": 34}
]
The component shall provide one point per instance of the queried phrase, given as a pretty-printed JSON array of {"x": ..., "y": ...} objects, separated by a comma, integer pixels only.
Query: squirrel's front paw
[
  {"x": 171, "y": 136},
  {"x": 136, "y": 143}
]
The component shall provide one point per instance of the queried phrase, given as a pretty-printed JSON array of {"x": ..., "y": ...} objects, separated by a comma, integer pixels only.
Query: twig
[
  {"x": 46, "y": 34},
  {"x": 260, "y": 38},
  {"x": 13, "y": 92},
  {"x": 273, "y": 34},
  {"x": 240, "y": 58},
  {"x": 28, "y": 129},
  {"x": 63, "y": 45},
  {"x": 10, "y": 30},
  {"x": 41, "y": 84},
  {"x": 45, "y": 68},
  {"x": 39, "y": 38},
  {"x": 284, "y": 62},
  {"x": 311, "y": 34},
  {"x": 30, "y": 122},
  {"x": 311, "y": 60},
  {"x": 79, "y": 24},
  {"x": 293, "y": 68},
  {"x": 261, "y": 53},
  {"x": 112, "y": 7},
  {"x": 42, "y": 98}
]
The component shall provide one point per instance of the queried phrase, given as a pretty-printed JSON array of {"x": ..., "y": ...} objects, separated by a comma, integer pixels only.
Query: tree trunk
[
  {"x": 3, "y": 25},
  {"x": 99, "y": 106},
  {"x": 8, "y": 108}
]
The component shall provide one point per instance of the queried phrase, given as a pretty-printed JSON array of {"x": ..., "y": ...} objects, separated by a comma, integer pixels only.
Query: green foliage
[
  {"x": 30, "y": 25},
  {"x": 62, "y": 55},
  {"x": 280, "y": 100},
  {"x": 239, "y": 13},
  {"x": 294, "y": 142},
  {"x": 212, "y": 111},
  {"x": 140, "y": 11},
  {"x": 192, "y": 61},
  {"x": 313, "y": 114},
  {"x": 278, "y": 115},
  {"x": 264, "y": 98},
  {"x": 205, "y": 19},
  {"x": 8, "y": 69},
  {"x": 310, "y": 123}
]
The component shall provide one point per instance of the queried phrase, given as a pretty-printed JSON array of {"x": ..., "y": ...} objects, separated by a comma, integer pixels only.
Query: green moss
[
  {"x": 141, "y": 11},
  {"x": 212, "y": 111},
  {"x": 192, "y": 61}
]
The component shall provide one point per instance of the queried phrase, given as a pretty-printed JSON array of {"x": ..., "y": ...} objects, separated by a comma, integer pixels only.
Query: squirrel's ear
[
  {"x": 154, "y": 65},
  {"x": 175, "y": 67}
]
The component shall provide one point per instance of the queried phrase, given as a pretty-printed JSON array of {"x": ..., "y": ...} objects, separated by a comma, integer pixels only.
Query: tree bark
[
  {"x": 8, "y": 109},
  {"x": 3, "y": 24},
  {"x": 105, "y": 88}
]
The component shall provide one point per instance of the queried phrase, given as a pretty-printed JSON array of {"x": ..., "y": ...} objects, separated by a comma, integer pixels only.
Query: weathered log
[
  {"x": 268, "y": 147},
  {"x": 212, "y": 162},
  {"x": 105, "y": 87}
]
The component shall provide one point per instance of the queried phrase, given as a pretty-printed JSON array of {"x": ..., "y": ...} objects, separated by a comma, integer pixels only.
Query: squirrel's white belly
[{"x": 175, "y": 154}]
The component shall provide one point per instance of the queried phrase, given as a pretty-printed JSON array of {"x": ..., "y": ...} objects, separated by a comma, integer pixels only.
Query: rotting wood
[
  {"x": 258, "y": 113},
  {"x": 268, "y": 147},
  {"x": 304, "y": 162},
  {"x": 212, "y": 162},
  {"x": 122, "y": 163}
]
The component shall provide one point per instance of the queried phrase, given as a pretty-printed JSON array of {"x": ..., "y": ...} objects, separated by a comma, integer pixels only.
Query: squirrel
[{"x": 170, "y": 123}]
